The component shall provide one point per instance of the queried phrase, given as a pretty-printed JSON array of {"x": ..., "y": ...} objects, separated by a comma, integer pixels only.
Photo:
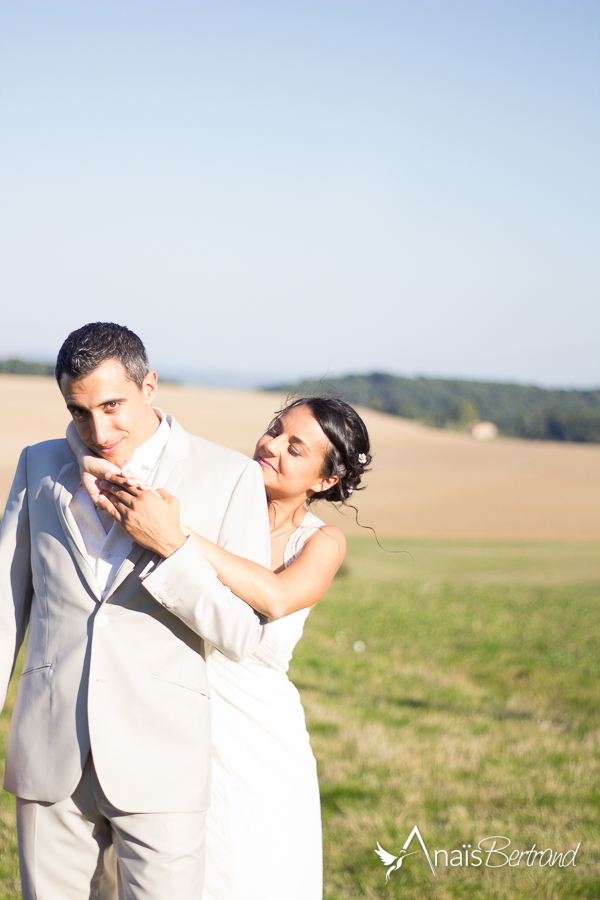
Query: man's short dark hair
[{"x": 88, "y": 347}]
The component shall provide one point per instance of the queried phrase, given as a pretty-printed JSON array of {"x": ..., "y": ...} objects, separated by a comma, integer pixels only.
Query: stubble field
[{"x": 425, "y": 483}]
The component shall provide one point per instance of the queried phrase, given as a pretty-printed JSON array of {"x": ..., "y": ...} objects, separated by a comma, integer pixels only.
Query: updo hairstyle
[{"x": 348, "y": 455}]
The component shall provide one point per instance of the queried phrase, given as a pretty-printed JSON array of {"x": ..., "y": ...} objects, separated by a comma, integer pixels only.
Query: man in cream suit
[{"x": 109, "y": 746}]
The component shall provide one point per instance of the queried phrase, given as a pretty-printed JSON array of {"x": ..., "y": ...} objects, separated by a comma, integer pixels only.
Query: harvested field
[{"x": 425, "y": 483}]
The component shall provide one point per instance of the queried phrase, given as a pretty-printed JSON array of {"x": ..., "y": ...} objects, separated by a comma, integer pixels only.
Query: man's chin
[
  {"x": 115, "y": 460},
  {"x": 119, "y": 459}
]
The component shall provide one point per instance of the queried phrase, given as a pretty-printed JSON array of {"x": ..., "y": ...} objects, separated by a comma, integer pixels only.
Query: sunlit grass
[
  {"x": 472, "y": 711},
  {"x": 542, "y": 563},
  {"x": 10, "y": 886}
]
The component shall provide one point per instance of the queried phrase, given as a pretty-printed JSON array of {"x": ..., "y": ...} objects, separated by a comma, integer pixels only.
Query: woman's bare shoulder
[{"x": 325, "y": 534}]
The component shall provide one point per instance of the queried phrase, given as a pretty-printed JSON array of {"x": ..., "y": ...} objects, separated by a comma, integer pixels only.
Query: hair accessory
[
  {"x": 350, "y": 490},
  {"x": 362, "y": 458}
]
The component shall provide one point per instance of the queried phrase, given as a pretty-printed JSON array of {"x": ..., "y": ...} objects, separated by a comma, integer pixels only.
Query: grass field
[{"x": 471, "y": 711}]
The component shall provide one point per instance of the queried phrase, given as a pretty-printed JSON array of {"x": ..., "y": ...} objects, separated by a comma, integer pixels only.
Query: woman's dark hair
[
  {"x": 348, "y": 454},
  {"x": 88, "y": 347}
]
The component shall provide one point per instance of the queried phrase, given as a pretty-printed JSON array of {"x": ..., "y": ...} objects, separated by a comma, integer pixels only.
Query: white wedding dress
[{"x": 264, "y": 822}]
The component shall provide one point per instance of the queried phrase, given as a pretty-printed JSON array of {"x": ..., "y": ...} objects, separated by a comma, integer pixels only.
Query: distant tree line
[
  {"x": 17, "y": 366},
  {"x": 517, "y": 410}
]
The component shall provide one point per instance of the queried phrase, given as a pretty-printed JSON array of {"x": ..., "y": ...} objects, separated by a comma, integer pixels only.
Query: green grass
[
  {"x": 10, "y": 886},
  {"x": 472, "y": 711}
]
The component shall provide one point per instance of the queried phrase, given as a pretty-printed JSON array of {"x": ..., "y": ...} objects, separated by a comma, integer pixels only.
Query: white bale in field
[{"x": 484, "y": 431}]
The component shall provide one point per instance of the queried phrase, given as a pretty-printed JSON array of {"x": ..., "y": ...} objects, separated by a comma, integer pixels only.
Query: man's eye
[{"x": 114, "y": 405}]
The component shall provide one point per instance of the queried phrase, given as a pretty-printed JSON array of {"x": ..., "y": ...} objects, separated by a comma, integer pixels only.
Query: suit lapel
[
  {"x": 64, "y": 488},
  {"x": 170, "y": 469},
  {"x": 127, "y": 567}
]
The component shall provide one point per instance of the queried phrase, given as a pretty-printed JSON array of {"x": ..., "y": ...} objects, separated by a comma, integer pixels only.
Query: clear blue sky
[{"x": 272, "y": 189}]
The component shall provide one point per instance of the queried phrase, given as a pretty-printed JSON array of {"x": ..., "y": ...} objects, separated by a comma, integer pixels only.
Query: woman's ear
[{"x": 324, "y": 484}]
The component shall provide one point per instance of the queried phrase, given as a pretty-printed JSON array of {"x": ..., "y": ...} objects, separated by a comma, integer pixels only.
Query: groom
[{"x": 109, "y": 745}]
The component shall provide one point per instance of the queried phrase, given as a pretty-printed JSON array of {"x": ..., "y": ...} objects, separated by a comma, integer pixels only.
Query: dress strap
[{"x": 309, "y": 525}]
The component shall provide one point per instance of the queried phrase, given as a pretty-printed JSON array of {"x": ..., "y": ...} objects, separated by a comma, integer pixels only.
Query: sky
[{"x": 269, "y": 190}]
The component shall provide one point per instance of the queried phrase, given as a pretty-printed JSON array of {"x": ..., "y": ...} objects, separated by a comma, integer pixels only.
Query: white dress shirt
[{"x": 106, "y": 544}]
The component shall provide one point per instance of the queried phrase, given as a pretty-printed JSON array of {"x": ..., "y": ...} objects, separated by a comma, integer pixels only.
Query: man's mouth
[{"x": 109, "y": 449}]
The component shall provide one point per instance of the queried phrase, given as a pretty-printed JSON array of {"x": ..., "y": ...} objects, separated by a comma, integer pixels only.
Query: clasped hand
[{"x": 149, "y": 516}]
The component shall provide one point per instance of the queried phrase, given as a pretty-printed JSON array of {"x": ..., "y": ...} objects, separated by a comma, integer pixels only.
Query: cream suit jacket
[{"x": 125, "y": 677}]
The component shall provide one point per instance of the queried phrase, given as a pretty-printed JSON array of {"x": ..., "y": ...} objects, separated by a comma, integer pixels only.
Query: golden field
[{"x": 425, "y": 483}]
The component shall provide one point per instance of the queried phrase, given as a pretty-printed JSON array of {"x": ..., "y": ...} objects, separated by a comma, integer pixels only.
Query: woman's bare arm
[{"x": 276, "y": 595}]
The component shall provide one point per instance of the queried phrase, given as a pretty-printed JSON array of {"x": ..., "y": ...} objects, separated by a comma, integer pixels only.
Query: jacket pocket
[
  {"x": 188, "y": 687},
  {"x": 35, "y": 669}
]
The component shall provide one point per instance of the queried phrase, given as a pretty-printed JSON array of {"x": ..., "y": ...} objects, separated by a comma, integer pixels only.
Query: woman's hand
[
  {"x": 92, "y": 467},
  {"x": 149, "y": 516},
  {"x": 90, "y": 484}
]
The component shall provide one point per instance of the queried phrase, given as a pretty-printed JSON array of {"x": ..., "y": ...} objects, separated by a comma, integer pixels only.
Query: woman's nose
[{"x": 271, "y": 445}]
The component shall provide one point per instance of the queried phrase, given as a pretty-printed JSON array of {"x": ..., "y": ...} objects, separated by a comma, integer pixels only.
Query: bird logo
[{"x": 394, "y": 862}]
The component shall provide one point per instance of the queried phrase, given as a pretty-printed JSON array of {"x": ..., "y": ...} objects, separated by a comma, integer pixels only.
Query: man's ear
[
  {"x": 324, "y": 484},
  {"x": 149, "y": 386}
]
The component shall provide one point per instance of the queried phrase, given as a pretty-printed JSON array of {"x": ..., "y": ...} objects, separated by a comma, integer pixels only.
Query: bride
[{"x": 264, "y": 824}]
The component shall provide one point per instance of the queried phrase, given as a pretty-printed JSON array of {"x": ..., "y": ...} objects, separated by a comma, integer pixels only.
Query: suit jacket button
[{"x": 101, "y": 620}]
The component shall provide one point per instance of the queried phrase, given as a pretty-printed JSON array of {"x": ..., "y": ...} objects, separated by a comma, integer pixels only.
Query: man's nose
[{"x": 100, "y": 430}]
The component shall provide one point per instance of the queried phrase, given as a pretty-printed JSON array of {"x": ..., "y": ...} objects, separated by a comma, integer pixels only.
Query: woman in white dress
[{"x": 264, "y": 822}]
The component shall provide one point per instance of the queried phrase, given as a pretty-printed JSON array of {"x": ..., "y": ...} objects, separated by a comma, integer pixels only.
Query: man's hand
[{"x": 151, "y": 518}]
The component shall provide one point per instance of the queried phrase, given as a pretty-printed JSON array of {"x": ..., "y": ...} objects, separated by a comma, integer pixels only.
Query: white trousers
[{"x": 82, "y": 848}]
